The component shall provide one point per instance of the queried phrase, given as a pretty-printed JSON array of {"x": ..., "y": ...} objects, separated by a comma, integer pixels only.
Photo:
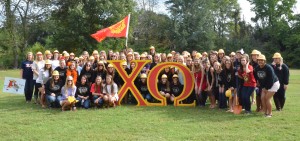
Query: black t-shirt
[
  {"x": 62, "y": 73},
  {"x": 89, "y": 75},
  {"x": 176, "y": 90},
  {"x": 163, "y": 87},
  {"x": 82, "y": 90},
  {"x": 227, "y": 78},
  {"x": 265, "y": 76},
  {"x": 142, "y": 87},
  {"x": 56, "y": 88},
  {"x": 27, "y": 70}
]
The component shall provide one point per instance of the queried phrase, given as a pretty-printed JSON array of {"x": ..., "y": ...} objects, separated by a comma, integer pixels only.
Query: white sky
[{"x": 246, "y": 12}]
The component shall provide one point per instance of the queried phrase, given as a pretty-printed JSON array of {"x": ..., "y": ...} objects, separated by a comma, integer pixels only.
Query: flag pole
[{"x": 127, "y": 30}]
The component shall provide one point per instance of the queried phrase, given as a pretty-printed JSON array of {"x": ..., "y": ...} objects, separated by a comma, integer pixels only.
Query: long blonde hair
[{"x": 66, "y": 84}]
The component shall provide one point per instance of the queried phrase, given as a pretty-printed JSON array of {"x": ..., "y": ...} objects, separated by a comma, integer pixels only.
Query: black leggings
[{"x": 279, "y": 98}]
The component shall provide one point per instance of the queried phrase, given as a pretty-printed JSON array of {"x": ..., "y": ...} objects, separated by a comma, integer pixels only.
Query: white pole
[{"x": 127, "y": 30}]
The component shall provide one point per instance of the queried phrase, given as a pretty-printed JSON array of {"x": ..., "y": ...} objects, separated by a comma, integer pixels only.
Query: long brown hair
[
  {"x": 111, "y": 83},
  {"x": 96, "y": 85}
]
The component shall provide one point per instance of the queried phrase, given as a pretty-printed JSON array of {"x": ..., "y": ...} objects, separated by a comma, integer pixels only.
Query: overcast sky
[{"x": 245, "y": 9}]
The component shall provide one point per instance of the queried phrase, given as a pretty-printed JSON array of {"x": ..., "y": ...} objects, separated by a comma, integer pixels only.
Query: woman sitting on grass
[
  {"x": 83, "y": 92},
  {"x": 96, "y": 90},
  {"x": 110, "y": 92},
  {"x": 143, "y": 88},
  {"x": 164, "y": 87},
  {"x": 68, "y": 91},
  {"x": 53, "y": 89}
]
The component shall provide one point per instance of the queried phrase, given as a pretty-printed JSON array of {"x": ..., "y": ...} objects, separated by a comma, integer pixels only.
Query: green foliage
[{"x": 76, "y": 20}]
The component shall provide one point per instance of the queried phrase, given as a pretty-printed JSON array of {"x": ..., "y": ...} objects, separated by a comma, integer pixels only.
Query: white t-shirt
[
  {"x": 44, "y": 76},
  {"x": 37, "y": 65},
  {"x": 109, "y": 89},
  {"x": 55, "y": 63}
]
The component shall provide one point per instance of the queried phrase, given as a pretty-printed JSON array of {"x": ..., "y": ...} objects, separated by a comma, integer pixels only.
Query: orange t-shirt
[{"x": 72, "y": 73}]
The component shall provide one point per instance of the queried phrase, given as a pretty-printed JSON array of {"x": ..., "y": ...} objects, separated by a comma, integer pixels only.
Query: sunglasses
[{"x": 70, "y": 80}]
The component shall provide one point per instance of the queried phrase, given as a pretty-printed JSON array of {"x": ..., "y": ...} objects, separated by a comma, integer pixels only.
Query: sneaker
[{"x": 268, "y": 116}]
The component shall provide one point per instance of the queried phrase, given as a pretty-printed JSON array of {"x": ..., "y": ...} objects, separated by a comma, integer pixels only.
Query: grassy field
[{"x": 21, "y": 121}]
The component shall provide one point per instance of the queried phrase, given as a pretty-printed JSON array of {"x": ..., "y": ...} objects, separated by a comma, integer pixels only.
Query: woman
[
  {"x": 62, "y": 70},
  {"x": 99, "y": 71},
  {"x": 44, "y": 75},
  {"x": 209, "y": 74},
  {"x": 68, "y": 91},
  {"x": 55, "y": 60},
  {"x": 200, "y": 82},
  {"x": 83, "y": 92},
  {"x": 220, "y": 85},
  {"x": 143, "y": 88},
  {"x": 88, "y": 72},
  {"x": 37, "y": 65},
  {"x": 53, "y": 89},
  {"x": 72, "y": 71},
  {"x": 167, "y": 72},
  {"x": 115, "y": 75},
  {"x": 254, "y": 55},
  {"x": 268, "y": 82},
  {"x": 110, "y": 91},
  {"x": 228, "y": 79},
  {"x": 27, "y": 74},
  {"x": 283, "y": 74},
  {"x": 164, "y": 87},
  {"x": 246, "y": 73},
  {"x": 175, "y": 87},
  {"x": 96, "y": 90}
]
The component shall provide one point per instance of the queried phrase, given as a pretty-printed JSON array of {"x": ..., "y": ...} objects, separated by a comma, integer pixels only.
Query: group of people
[{"x": 225, "y": 80}]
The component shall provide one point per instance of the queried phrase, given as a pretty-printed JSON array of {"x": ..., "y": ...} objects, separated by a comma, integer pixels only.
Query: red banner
[{"x": 119, "y": 29}]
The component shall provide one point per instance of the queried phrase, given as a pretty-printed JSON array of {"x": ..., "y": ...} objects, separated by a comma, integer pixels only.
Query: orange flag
[{"x": 119, "y": 29}]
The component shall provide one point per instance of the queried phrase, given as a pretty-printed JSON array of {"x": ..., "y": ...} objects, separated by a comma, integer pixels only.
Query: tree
[
  {"x": 76, "y": 20},
  {"x": 192, "y": 24}
]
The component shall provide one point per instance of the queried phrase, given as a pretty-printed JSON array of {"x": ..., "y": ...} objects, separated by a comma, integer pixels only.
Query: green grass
[{"x": 21, "y": 121}]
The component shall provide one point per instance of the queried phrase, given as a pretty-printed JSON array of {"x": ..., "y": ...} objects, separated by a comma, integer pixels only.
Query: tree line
[{"x": 202, "y": 25}]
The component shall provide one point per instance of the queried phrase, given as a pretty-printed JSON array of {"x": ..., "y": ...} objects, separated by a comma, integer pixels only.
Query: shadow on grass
[{"x": 197, "y": 113}]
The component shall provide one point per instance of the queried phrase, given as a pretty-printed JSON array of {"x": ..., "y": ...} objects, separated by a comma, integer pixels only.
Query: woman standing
[
  {"x": 37, "y": 65},
  {"x": 44, "y": 75},
  {"x": 220, "y": 85},
  {"x": 27, "y": 74},
  {"x": 53, "y": 89},
  {"x": 254, "y": 63},
  {"x": 200, "y": 82},
  {"x": 68, "y": 90},
  {"x": 110, "y": 92},
  {"x": 83, "y": 92},
  {"x": 268, "y": 82},
  {"x": 88, "y": 72},
  {"x": 209, "y": 74},
  {"x": 246, "y": 73},
  {"x": 72, "y": 71},
  {"x": 283, "y": 74},
  {"x": 228, "y": 79}
]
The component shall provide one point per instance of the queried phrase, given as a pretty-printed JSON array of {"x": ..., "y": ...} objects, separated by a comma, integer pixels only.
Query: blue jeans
[
  {"x": 100, "y": 102},
  {"x": 246, "y": 94},
  {"x": 147, "y": 97},
  {"x": 28, "y": 90},
  {"x": 85, "y": 103},
  {"x": 53, "y": 100}
]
